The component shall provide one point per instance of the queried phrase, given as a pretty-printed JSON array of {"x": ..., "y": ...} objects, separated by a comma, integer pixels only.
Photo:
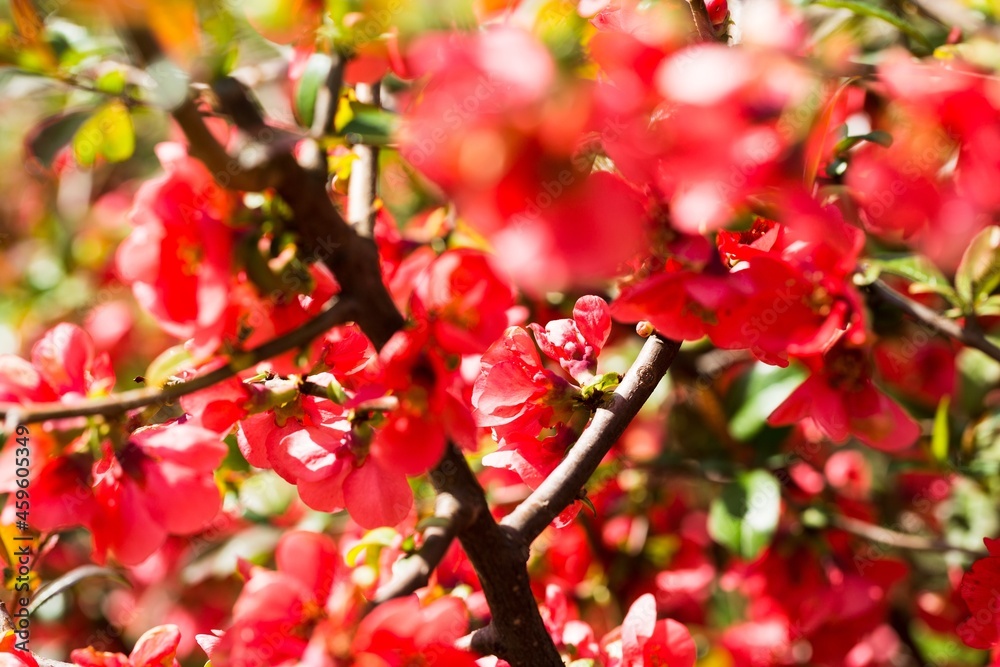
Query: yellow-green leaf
[
  {"x": 108, "y": 134},
  {"x": 939, "y": 438}
]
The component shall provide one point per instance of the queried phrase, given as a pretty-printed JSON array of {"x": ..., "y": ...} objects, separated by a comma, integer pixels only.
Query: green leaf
[
  {"x": 978, "y": 273},
  {"x": 939, "y": 437},
  {"x": 766, "y": 388},
  {"x": 366, "y": 122},
  {"x": 266, "y": 494},
  {"x": 49, "y": 137},
  {"x": 602, "y": 384},
  {"x": 108, "y": 134},
  {"x": 874, "y": 11},
  {"x": 112, "y": 82},
  {"x": 373, "y": 542},
  {"x": 924, "y": 275},
  {"x": 171, "y": 361},
  {"x": 990, "y": 307},
  {"x": 313, "y": 78},
  {"x": 744, "y": 517},
  {"x": 880, "y": 137},
  {"x": 335, "y": 392}
]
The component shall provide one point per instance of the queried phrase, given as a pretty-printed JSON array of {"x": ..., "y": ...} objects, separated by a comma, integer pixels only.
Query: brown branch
[
  {"x": 895, "y": 539},
  {"x": 936, "y": 321},
  {"x": 414, "y": 572},
  {"x": 323, "y": 233},
  {"x": 563, "y": 486},
  {"x": 339, "y": 313},
  {"x": 499, "y": 557}
]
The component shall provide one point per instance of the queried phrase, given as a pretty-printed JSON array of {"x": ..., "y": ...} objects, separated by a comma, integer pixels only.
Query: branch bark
[
  {"x": 895, "y": 539},
  {"x": 563, "y": 486},
  {"x": 339, "y": 313},
  {"x": 936, "y": 321},
  {"x": 499, "y": 557},
  {"x": 323, "y": 232},
  {"x": 413, "y": 573}
]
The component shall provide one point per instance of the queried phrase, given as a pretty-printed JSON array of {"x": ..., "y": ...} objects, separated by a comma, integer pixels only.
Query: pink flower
[
  {"x": 334, "y": 466},
  {"x": 576, "y": 343},
  {"x": 156, "y": 648},
  {"x": 64, "y": 365},
  {"x": 643, "y": 641}
]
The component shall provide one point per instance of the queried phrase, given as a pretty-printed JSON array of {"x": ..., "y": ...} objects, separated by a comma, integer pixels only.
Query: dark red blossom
[
  {"x": 981, "y": 591},
  {"x": 840, "y": 398}
]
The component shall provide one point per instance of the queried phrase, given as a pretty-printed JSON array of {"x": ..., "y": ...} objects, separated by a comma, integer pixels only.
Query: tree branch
[
  {"x": 414, "y": 572},
  {"x": 339, "y": 313},
  {"x": 499, "y": 557},
  {"x": 896, "y": 539},
  {"x": 936, "y": 321},
  {"x": 323, "y": 233},
  {"x": 563, "y": 486}
]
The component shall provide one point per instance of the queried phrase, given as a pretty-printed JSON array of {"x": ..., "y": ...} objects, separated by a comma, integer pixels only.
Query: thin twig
[
  {"x": 340, "y": 313},
  {"x": 363, "y": 186},
  {"x": 895, "y": 539},
  {"x": 564, "y": 484},
  {"x": 413, "y": 573},
  {"x": 936, "y": 321}
]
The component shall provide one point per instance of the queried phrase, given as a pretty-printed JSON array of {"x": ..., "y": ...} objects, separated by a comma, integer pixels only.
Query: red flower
[
  {"x": 463, "y": 300},
  {"x": 334, "y": 465},
  {"x": 278, "y": 610},
  {"x": 10, "y": 655},
  {"x": 518, "y": 398},
  {"x": 403, "y": 632},
  {"x": 179, "y": 255},
  {"x": 841, "y": 400},
  {"x": 777, "y": 290},
  {"x": 159, "y": 483},
  {"x": 506, "y": 147},
  {"x": 981, "y": 591},
  {"x": 156, "y": 648}
]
